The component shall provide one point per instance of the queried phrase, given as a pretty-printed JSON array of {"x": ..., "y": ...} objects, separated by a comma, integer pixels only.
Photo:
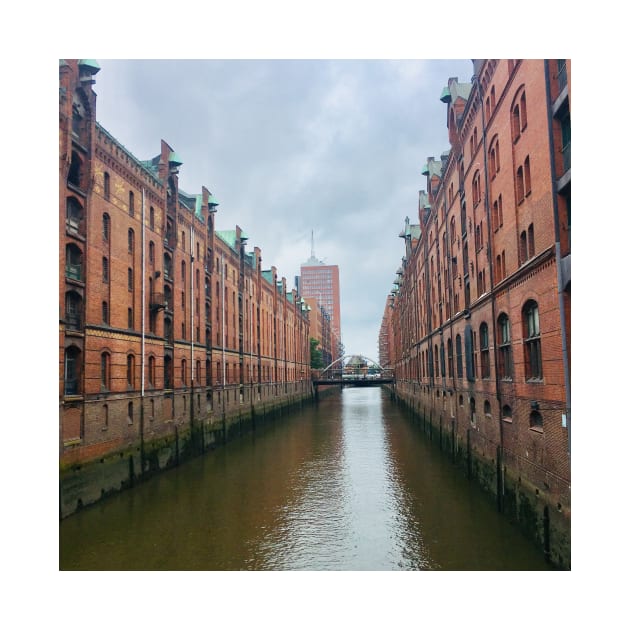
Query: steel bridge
[{"x": 364, "y": 372}]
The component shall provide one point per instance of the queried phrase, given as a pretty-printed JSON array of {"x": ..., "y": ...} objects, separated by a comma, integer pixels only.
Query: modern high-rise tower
[{"x": 321, "y": 281}]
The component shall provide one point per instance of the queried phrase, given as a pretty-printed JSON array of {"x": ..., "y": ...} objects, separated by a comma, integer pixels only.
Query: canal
[{"x": 351, "y": 483}]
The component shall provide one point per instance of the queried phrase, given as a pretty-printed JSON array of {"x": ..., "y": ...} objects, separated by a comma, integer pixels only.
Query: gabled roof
[{"x": 228, "y": 237}]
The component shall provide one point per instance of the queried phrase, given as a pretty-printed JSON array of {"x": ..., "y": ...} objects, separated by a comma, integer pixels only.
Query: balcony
[
  {"x": 74, "y": 271},
  {"x": 73, "y": 322},
  {"x": 157, "y": 302}
]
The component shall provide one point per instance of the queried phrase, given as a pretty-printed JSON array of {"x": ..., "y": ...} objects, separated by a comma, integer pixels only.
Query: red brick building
[
  {"x": 167, "y": 328},
  {"x": 477, "y": 326}
]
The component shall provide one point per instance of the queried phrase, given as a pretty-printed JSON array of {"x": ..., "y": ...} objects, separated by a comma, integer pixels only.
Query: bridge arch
[{"x": 350, "y": 356}]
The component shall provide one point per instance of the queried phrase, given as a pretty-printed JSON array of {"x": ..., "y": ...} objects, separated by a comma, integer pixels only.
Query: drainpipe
[
  {"x": 556, "y": 225},
  {"x": 500, "y": 479}
]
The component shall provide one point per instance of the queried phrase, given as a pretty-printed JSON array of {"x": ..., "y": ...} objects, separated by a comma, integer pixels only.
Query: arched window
[
  {"x": 530, "y": 241},
  {"x": 106, "y": 226},
  {"x": 75, "y": 173},
  {"x": 105, "y": 264},
  {"x": 168, "y": 372},
  {"x": 131, "y": 371},
  {"x": 484, "y": 345},
  {"x": 487, "y": 409},
  {"x": 130, "y": 241},
  {"x": 527, "y": 178},
  {"x": 151, "y": 253},
  {"x": 497, "y": 213},
  {"x": 74, "y": 214},
  {"x": 74, "y": 262},
  {"x": 476, "y": 188},
  {"x": 105, "y": 312},
  {"x": 523, "y": 112},
  {"x": 449, "y": 346},
  {"x": 131, "y": 204},
  {"x": 436, "y": 359},
  {"x": 505, "y": 347},
  {"x": 184, "y": 382},
  {"x": 522, "y": 247},
  {"x": 506, "y": 412},
  {"x": 494, "y": 160},
  {"x": 458, "y": 353},
  {"x": 105, "y": 370},
  {"x": 168, "y": 267},
  {"x": 520, "y": 185},
  {"x": 106, "y": 186},
  {"x": 151, "y": 371},
  {"x": 152, "y": 218},
  {"x": 519, "y": 115},
  {"x": 72, "y": 366},
  {"x": 130, "y": 412},
  {"x": 531, "y": 336}
]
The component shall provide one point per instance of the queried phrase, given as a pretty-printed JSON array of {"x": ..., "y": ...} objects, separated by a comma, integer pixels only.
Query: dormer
[{"x": 455, "y": 95}]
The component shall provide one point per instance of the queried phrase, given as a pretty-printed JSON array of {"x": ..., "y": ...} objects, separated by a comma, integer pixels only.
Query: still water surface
[{"x": 349, "y": 484}]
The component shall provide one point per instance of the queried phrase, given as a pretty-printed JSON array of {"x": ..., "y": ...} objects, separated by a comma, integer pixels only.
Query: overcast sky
[{"x": 290, "y": 146}]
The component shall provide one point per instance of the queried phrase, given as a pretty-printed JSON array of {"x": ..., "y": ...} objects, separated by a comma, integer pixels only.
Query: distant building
[{"x": 321, "y": 281}]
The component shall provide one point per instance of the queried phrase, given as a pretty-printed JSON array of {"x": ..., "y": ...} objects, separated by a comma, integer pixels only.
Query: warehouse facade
[
  {"x": 477, "y": 325},
  {"x": 170, "y": 332}
]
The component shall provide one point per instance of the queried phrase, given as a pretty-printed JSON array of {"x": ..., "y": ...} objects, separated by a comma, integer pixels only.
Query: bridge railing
[{"x": 341, "y": 374}]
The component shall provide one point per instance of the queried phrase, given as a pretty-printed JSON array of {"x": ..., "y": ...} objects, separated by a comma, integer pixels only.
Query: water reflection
[{"x": 350, "y": 484}]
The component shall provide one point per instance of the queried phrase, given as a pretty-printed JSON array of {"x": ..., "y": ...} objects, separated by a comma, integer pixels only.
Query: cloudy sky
[{"x": 294, "y": 146}]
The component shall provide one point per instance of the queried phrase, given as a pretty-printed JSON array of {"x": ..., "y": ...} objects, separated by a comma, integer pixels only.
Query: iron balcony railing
[
  {"x": 73, "y": 271},
  {"x": 73, "y": 322}
]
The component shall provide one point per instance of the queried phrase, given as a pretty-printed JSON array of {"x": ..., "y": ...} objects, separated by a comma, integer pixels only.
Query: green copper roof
[
  {"x": 212, "y": 201},
  {"x": 173, "y": 158},
  {"x": 267, "y": 275},
  {"x": 446, "y": 95},
  {"x": 90, "y": 63},
  {"x": 229, "y": 237},
  {"x": 425, "y": 170}
]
